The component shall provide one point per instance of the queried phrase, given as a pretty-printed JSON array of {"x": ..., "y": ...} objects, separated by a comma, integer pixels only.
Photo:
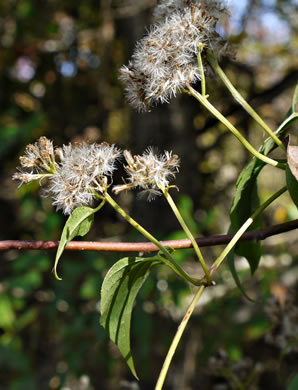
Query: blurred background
[{"x": 59, "y": 65}]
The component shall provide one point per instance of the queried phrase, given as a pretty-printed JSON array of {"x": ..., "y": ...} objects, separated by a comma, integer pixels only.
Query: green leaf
[
  {"x": 291, "y": 117},
  {"x": 118, "y": 293},
  {"x": 78, "y": 224},
  {"x": 231, "y": 263},
  {"x": 295, "y": 99},
  {"x": 292, "y": 114},
  {"x": 292, "y": 157},
  {"x": 292, "y": 171},
  {"x": 246, "y": 199},
  {"x": 293, "y": 385}
]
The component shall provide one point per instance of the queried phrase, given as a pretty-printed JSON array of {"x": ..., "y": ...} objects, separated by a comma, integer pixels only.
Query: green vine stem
[
  {"x": 187, "y": 232},
  {"x": 244, "y": 227},
  {"x": 287, "y": 121},
  {"x": 229, "y": 125},
  {"x": 201, "y": 67},
  {"x": 239, "y": 98},
  {"x": 200, "y": 291},
  {"x": 151, "y": 238},
  {"x": 177, "y": 338}
]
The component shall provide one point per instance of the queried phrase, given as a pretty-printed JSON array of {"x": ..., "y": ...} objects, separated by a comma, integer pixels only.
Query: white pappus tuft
[
  {"x": 81, "y": 172},
  {"x": 150, "y": 172},
  {"x": 165, "y": 60}
]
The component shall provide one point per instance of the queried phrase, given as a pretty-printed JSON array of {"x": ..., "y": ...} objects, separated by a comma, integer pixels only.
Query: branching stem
[
  {"x": 187, "y": 232},
  {"x": 244, "y": 227},
  {"x": 151, "y": 238},
  {"x": 229, "y": 125},
  {"x": 239, "y": 98}
]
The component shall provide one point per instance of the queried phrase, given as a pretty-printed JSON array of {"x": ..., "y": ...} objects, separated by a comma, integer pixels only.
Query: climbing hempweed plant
[{"x": 180, "y": 50}]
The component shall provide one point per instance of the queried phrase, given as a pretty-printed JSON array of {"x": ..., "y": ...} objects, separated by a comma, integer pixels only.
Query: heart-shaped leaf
[
  {"x": 78, "y": 224},
  {"x": 118, "y": 293}
]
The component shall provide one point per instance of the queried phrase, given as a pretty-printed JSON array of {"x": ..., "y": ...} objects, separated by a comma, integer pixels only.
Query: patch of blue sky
[
  {"x": 269, "y": 3},
  {"x": 278, "y": 30},
  {"x": 237, "y": 11}
]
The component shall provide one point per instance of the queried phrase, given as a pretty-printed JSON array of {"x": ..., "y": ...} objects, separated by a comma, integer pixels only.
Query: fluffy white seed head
[
  {"x": 150, "y": 172},
  {"x": 81, "y": 172},
  {"x": 165, "y": 60}
]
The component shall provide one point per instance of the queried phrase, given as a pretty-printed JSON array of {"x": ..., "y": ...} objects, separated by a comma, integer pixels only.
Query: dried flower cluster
[
  {"x": 40, "y": 158},
  {"x": 150, "y": 172},
  {"x": 74, "y": 173},
  {"x": 165, "y": 60}
]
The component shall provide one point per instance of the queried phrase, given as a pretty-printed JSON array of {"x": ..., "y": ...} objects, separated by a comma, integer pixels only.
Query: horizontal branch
[{"x": 256, "y": 235}]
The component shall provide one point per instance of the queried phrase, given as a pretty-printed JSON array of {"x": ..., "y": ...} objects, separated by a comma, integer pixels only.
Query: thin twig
[{"x": 108, "y": 246}]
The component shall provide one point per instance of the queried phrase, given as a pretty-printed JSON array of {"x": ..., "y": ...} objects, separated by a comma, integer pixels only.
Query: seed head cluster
[
  {"x": 150, "y": 172},
  {"x": 40, "y": 158},
  {"x": 165, "y": 60},
  {"x": 74, "y": 173}
]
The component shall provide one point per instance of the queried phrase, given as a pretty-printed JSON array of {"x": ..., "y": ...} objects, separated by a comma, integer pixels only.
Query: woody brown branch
[{"x": 107, "y": 246}]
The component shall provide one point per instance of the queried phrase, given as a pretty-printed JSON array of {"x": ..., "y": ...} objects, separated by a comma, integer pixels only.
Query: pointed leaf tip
[
  {"x": 78, "y": 224},
  {"x": 231, "y": 264},
  {"x": 56, "y": 275},
  {"x": 118, "y": 292}
]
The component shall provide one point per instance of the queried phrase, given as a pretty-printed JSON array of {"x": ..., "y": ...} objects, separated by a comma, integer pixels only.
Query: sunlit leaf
[
  {"x": 295, "y": 99},
  {"x": 78, "y": 224},
  {"x": 118, "y": 293},
  {"x": 246, "y": 199}
]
